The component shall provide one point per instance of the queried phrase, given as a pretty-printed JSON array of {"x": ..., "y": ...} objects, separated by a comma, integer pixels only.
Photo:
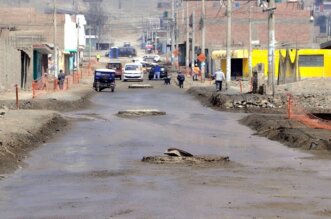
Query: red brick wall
[{"x": 292, "y": 25}]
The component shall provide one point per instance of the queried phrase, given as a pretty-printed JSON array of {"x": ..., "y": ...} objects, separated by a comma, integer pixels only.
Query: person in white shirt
[{"x": 219, "y": 77}]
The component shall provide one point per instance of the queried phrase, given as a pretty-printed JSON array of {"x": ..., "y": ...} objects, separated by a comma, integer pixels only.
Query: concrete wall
[
  {"x": 10, "y": 64},
  {"x": 70, "y": 33}
]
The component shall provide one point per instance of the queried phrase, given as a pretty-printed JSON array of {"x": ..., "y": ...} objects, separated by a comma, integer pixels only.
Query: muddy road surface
[{"x": 95, "y": 170}]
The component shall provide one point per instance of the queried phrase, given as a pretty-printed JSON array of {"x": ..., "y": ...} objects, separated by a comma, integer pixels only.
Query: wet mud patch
[
  {"x": 324, "y": 213},
  {"x": 121, "y": 213},
  {"x": 200, "y": 161},
  {"x": 140, "y": 86},
  {"x": 86, "y": 117},
  {"x": 104, "y": 173},
  {"x": 140, "y": 113}
]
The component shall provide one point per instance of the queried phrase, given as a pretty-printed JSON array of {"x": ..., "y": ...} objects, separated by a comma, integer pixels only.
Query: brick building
[
  {"x": 293, "y": 28},
  {"x": 32, "y": 33},
  {"x": 9, "y": 59}
]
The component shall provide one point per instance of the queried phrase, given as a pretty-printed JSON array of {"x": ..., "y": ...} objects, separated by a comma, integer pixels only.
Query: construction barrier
[
  {"x": 50, "y": 84},
  {"x": 298, "y": 113}
]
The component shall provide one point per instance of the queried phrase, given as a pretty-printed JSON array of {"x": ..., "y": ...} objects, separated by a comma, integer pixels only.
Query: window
[
  {"x": 311, "y": 60},
  {"x": 131, "y": 67}
]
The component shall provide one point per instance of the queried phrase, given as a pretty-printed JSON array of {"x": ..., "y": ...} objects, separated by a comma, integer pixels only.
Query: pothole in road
[
  {"x": 188, "y": 159},
  {"x": 140, "y": 86},
  {"x": 140, "y": 112},
  {"x": 86, "y": 117},
  {"x": 104, "y": 173}
]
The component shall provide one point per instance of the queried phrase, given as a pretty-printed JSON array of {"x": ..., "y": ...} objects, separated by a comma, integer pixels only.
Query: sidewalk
[
  {"x": 232, "y": 88},
  {"x": 73, "y": 93}
]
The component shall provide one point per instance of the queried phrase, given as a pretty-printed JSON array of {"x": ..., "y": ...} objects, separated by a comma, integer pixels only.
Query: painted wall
[
  {"x": 261, "y": 56},
  {"x": 81, "y": 21},
  {"x": 70, "y": 33}
]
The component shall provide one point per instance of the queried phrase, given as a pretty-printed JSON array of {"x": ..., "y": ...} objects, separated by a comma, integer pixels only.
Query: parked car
[
  {"x": 153, "y": 57},
  {"x": 127, "y": 44},
  {"x": 133, "y": 71},
  {"x": 163, "y": 73},
  {"x": 104, "y": 78},
  {"x": 127, "y": 52},
  {"x": 117, "y": 66}
]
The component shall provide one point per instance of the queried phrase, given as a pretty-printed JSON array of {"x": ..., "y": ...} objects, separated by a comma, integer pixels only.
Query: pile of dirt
[
  {"x": 201, "y": 161},
  {"x": 140, "y": 113},
  {"x": 52, "y": 103},
  {"x": 37, "y": 120},
  {"x": 313, "y": 96},
  {"x": 256, "y": 103},
  {"x": 292, "y": 133},
  {"x": 22, "y": 134}
]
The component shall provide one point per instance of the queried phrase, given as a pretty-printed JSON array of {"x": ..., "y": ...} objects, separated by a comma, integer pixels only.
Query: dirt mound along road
[
  {"x": 35, "y": 122},
  {"x": 21, "y": 134},
  {"x": 275, "y": 127},
  {"x": 314, "y": 103},
  {"x": 292, "y": 133}
]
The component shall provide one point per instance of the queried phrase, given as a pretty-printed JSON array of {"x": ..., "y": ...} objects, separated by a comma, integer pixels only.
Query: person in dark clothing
[
  {"x": 61, "y": 78},
  {"x": 181, "y": 79},
  {"x": 157, "y": 72}
]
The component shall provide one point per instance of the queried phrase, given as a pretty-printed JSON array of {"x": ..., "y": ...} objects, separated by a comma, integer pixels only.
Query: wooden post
[{"x": 16, "y": 88}]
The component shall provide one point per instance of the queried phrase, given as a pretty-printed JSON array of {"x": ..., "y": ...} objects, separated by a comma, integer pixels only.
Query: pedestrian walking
[
  {"x": 61, "y": 78},
  {"x": 196, "y": 72},
  {"x": 181, "y": 79},
  {"x": 98, "y": 56},
  {"x": 157, "y": 72},
  {"x": 219, "y": 77}
]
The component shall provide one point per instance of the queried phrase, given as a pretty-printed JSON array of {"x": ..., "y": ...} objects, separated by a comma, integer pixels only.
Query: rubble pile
[
  {"x": 243, "y": 101},
  {"x": 140, "y": 112},
  {"x": 195, "y": 160},
  {"x": 178, "y": 156}
]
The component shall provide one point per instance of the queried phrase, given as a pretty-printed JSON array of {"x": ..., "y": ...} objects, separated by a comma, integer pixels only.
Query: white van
[{"x": 133, "y": 71}]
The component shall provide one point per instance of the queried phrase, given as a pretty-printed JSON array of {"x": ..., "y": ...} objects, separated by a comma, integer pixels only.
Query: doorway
[{"x": 236, "y": 68}]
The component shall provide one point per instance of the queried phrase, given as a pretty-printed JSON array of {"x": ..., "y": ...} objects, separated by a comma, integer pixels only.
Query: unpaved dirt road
[{"x": 95, "y": 171}]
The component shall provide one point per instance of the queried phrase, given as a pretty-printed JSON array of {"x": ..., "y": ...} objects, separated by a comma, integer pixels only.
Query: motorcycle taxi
[{"x": 104, "y": 78}]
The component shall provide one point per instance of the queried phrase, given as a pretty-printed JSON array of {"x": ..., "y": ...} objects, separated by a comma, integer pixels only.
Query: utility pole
[
  {"x": 172, "y": 30},
  {"x": 78, "y": 27},
  {"x": 193, "y": 38},
  {"x": 271, "y": 47},
  {"x": 228, "y": 41},
  {"x": 155, "y": 41},
  {"x": 203, "y": 34},
  {"x": 55, "y": 61},
  {"x": 90, "y": 43},
  {"x": 250, "y": 42},
  {"x": 177, "y": 37},
  {"x": 187, "y": 61}
]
